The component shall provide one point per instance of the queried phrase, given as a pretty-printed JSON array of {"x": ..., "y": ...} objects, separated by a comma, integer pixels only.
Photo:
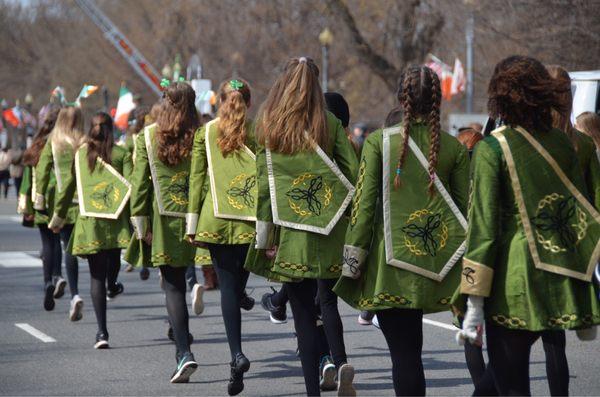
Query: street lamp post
[{"x": 325, "y": 38}]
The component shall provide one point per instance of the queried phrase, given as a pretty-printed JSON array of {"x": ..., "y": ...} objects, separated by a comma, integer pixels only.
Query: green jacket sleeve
[
  {"x": 264, "y": 216},
  {"x": 127, "y": 166},
  {"x": 42, "y": 177},
  {"x": 459, "y": 180},
  {"x": 593, "y": 180},
  {"x": 364, "y": 206},
  {"x": 483, "y": 217},
  {"x": 24, "y": 204},
  {"x": 64, "y": 197},
  {"x": 198, "y": 172},
  {"x": 344, "y": 153},
  {"x": 141, "y": 190}
]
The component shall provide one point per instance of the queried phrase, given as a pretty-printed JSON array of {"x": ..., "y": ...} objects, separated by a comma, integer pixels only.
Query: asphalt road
[{"x": 141, "y": 358}]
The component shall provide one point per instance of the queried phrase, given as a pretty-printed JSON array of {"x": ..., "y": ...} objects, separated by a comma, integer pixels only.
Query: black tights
[
  {"x": 174, "y": 285},
  {"x": 102, "y": 264},
  {"x": 332, "y": 323},
  {"x": 228, "y": 261},
  {"x": 71, "y": 264},
  {"x": 51, "y": 254},
  {"x": 509, "y": 352},
  {"x": 403, "y": 331}
]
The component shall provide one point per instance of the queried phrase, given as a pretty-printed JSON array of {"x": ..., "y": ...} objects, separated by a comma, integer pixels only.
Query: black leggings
[
  {"x": 509, "y": 352},
  {"x": 174, "y": 285},
  {"x": 102, "y": 264},
  {"x": 403, "y": 331},
  {"x": 51, "y": 254},
  {"x": 228, "y": 261},
  {"x": 332, "y": 323},
  {"x": 71, "y": 264},
  {"x": 302, "y": 301}
]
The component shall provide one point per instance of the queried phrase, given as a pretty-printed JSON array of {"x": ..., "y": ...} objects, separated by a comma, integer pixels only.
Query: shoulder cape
[
  {"x": 234, "y": 197},
  {"x": 561, "y": 226},
  {"x": 308, "y": 190},
  {"x": 60, "y": 170},
  {"x": 171, "y": 183},
  {"x": 103, "y": 193},
  {"x": 423, "y": 234}
]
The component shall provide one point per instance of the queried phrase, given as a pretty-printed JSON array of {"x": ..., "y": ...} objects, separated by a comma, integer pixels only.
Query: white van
[{"x": 586, "y": 92}]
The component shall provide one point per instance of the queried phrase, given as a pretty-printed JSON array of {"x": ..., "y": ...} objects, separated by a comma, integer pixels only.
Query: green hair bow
[
  {"x": 236, "y": 84},
  {"x": 164, "y": 83}
]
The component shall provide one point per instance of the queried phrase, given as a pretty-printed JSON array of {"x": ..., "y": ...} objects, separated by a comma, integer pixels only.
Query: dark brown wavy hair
[
  {"x": 100, "y": 139},
  {"x": 137, "y": 120},
  {"x": 522, "y": 93},
  {"x": 233, "y": 106},
  {"x": 32, "y": 154},
  {"x": 177, "y": 121},
  {"x": 420, "y": 96},
  {"x": 295, "y": 105}
]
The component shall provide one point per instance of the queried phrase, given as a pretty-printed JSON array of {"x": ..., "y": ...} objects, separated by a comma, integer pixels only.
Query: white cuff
[
  {"x": 40, "y": 202},
  {"x": 191, "y": 223},
  {"x": 56, "y": 222},
  {"x": 354, "y": 260},
  {"x": 22, "y": 204},
  {"x": 264, "y": 234},
  {"x": 140, "y": 224}
]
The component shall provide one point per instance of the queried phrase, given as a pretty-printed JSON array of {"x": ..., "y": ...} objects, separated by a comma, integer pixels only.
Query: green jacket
[
  {"x": 301, "y": 253},
  {"x": 93, "y": 233},
  {"x": 159, "y": 200},
  {"x": 421, "y": 234},
  {"x": 529, "y": 233},
  {"x": 590, "y": 164},
  {"x": 230, "y": 219}
]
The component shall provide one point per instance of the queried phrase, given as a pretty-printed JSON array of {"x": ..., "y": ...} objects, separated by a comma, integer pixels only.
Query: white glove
[
  {"x": 473, "y": 322},
  {"x": 587, "y": 334}
]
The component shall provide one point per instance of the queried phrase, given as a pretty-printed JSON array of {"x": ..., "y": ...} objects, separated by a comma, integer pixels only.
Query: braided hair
[{"x": 420, "y": 94}]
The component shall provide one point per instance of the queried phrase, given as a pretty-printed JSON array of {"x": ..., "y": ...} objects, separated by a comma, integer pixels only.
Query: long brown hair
[
  {"x": 589, "y": 124},
  {"x": 177, "y": 121},
  {"x": 420, "y": 96},
  {"x": 100, "y": 139},
  {"x": 234, "y": 99},
  {"x": 562, "y": 120},
  {"x": 521, "y": 92},
  {"x": 294, "y": 105},
  {"x": 32, "y": 154},
  {"x": 68, "y": 130},
  {"x": 137, "y": 120}
]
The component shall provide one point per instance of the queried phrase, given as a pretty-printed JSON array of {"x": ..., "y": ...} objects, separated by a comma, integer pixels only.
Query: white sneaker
[
  {"x": 375, "y": 322},
  {"x": 345, "y": 379},
  {"x": 197, "y": 302},
  {"x": 75, "y": 314},
  {"x": 59, "y": 288}
]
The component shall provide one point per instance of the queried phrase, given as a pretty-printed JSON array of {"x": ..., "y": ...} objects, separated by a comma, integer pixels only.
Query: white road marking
[
  {"x": 35, "y": 332},
  {"x": 440, "y": 325},
  {"x": 19, "y": 259},
  {"x": 11, "y": 218}
]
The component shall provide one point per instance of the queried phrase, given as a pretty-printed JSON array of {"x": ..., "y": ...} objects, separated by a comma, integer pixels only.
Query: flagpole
[{"x": 469, "y": 39}]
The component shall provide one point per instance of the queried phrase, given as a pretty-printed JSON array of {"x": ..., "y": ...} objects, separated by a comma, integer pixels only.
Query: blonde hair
[
  {"x": 589, "y": 124},
  {"x": 294, "y": 105},
  {"x": 68, "y": 130},
  {"x": 234, "y": 99}
]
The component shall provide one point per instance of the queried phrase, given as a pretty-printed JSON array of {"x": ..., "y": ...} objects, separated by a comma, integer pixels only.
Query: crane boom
[{"x": 131, "y": 54}]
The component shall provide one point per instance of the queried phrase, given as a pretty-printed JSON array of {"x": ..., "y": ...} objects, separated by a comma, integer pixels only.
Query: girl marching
[
  {"x": 221, "y": 212},
  {"x": 54, "y": 172},
  {"x": 533, "y": 238},
  {"x": 159, "y": 199},
  {"x": 305, "y": 170},
  {"x": 102, "y": 228},
  {"x": 407, "y": 229},
  {"x": 54, "y": 284}
]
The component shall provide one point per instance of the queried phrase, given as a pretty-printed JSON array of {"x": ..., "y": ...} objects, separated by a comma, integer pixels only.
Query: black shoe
[
  {"x": 144, "y": 273},
  {"x": 171, "y": 336},
  {"x": 185, "y": 368},
  {"x": 277, "y": 314},
  {"x": 49, "y": 297},
  {"x": 112, "y": 293},
  {"x": 101, "y": 340},
  {"x": 236, "y": 382},
  {"x": 247, "y": 302}
]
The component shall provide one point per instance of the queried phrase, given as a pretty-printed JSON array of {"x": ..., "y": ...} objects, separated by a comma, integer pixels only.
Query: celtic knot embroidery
[
  {"x": 350, "y": 262},
  {"x": 179, "y": 188},
  {"x": 244, "y": 193},
  {"x": 468, "y": 272},
  {"x": 358, "y": 194},
  {"x": 309, "y": 195},
  {"x": 559, "y": 217},
  {"x": 425, "y": 233},
  {"x": 104, "y": 195}
]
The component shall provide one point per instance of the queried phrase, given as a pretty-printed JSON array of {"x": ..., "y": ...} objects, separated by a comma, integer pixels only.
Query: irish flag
[
  {"x": 87, "y": 90},
  {"x": 124, "y": 106}
]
